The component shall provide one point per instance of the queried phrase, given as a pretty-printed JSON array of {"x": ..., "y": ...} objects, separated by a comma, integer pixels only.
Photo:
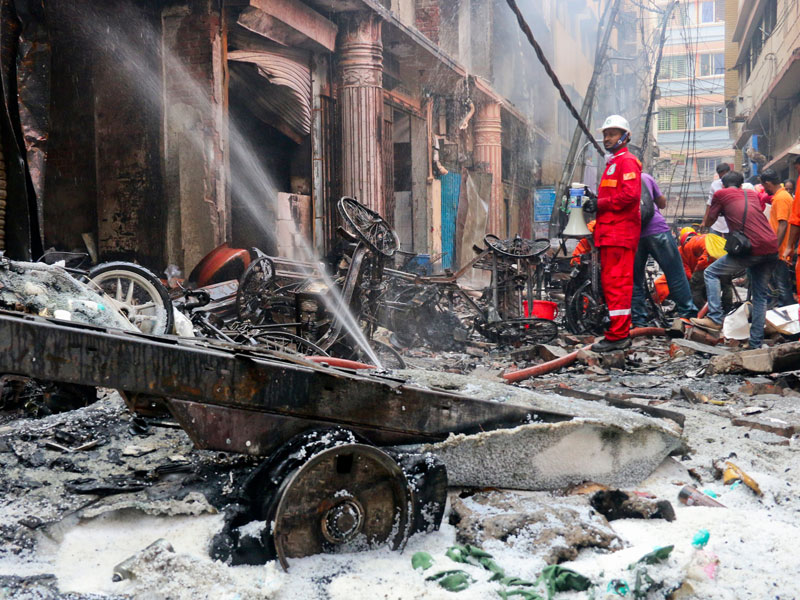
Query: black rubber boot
[{"x": 608, "y": 346}]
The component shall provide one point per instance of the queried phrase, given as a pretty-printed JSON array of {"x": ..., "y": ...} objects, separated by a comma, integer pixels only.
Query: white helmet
[{"x": 616, "y": 121}]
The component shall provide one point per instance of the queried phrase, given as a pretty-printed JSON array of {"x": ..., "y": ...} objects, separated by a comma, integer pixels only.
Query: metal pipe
[{"x": 555, "y": 364}]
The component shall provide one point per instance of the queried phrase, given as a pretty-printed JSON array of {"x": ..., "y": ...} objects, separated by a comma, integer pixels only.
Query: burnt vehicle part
[
  {"x": 586, "y": 311},
  {"x": 252, "y": 401},
  {"x": 41, "y": 398},
  {"x": 519, "y": 331},
  {"x": 131, "y": 289},
  {"x": 223, "y": 263},
  {"x": 418, "y": 313},
  {"x": 327, "y": 490},
  {"x": 369, "y": 227},
  {"x": 136, "y": 293}
]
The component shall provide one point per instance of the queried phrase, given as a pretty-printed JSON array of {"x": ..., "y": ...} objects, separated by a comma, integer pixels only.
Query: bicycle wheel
[
  {"x": 369, "y": 226},
  {"x": 252, "y": 297},
  {"x": 136, "y": 293},
  {"x": 517, "y": 247},
  {"x": 584, "y": 313}
]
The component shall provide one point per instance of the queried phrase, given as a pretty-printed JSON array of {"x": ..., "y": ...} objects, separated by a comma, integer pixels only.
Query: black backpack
[{"x": 646, "y": 205}]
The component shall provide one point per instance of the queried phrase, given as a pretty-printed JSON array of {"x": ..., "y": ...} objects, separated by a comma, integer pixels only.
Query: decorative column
[
  {"x": 488, "y": 155},
  {"x": 361, "y": 101}
]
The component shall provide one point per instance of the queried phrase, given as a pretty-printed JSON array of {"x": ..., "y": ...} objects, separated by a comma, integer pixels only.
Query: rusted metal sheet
[
  {"x": 288, "y": 69},
  {"x": 270, "y": 394}
]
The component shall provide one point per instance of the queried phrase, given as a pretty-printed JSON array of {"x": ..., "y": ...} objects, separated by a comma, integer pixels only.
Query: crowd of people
[{"x": 751, "y": 226}]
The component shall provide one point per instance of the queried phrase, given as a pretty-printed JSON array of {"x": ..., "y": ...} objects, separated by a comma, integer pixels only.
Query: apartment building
[
  {"x": 763, "y": 83},
  {"x": 691, "y": 122}
]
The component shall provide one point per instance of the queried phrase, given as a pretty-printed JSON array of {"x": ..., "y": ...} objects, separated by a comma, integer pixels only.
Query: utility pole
[
  {"x": 609, "y": 18},
  {"x": 646, "y": 136}
]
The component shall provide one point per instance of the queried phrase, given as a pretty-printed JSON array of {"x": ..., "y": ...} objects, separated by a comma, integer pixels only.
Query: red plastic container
[{"x": 542, "y": 309}]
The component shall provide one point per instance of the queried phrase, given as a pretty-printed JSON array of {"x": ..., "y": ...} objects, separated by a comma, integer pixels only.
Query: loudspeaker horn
[{"x": 576, "y": 226}]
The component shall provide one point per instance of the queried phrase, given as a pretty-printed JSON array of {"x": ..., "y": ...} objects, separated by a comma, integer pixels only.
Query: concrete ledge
[{"x": 785, "y": 357}]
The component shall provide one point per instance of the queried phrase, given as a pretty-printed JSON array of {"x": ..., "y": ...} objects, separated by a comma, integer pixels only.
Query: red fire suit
[{"x": 617, "y": 235}]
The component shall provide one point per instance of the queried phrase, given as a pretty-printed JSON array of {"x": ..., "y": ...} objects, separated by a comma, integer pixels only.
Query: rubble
[
  {"x": 45, "y": 290},
  {"x": 783, "y": 357},
  {"x": 542, "y": 526},
  {"x": 619, "y": 504}
]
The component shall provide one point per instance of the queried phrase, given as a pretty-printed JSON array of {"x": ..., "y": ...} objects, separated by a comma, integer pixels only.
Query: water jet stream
[{"x": 127, "y": 48}]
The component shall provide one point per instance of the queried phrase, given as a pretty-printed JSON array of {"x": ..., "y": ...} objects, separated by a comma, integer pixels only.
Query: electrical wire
[{"x": 550, "y": 73}]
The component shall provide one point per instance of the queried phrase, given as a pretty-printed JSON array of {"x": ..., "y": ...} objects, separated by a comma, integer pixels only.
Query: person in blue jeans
[
  {"x": 657, "y": 241},
  {"x": 760, "y": 262}
]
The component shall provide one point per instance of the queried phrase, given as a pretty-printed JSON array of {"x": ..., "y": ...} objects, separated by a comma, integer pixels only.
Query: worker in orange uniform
[
  {"x": 790, "y": 252},
  {"x": 583, "y": 247},
  {"x": 779, "y": 221},
  {"x": 660, "y": 289},
  {"x": 617, "y": 231},
  {"x": 697, "y": 252}
]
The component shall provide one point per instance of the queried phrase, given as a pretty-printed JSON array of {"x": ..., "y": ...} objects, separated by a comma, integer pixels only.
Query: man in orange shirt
[
  {"x": 779, "y": 221},
  {"x": 790, "y": 251}
]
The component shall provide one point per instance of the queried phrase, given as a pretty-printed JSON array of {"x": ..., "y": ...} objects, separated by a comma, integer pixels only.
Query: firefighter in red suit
[{"x": 617, "y": 230}]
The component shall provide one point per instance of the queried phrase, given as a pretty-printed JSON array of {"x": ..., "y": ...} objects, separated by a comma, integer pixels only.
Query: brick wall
[{"x": 428, "y": 18}]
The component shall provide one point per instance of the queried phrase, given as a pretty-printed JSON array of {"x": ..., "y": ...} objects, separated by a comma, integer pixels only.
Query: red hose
[
  {"x": 339, "y": 362},
  {"x": 703, "y": 311},
  {"x": 557, "y": 363}
]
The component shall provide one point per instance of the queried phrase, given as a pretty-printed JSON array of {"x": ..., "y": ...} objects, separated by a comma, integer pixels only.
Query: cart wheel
[
  {"x": 517, "y": 247},
  {"x": 347, "y": 498},
  {"x": 137, "y": 293},
  {"x": 369, "y": 226},
  {"x": 251, "y": 297}
]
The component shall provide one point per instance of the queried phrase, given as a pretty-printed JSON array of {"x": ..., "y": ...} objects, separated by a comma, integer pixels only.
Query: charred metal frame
[{"x": 238, "y": 399}]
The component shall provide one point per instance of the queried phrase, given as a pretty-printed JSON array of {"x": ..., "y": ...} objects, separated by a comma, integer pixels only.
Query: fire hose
[
  {"x": 557, "y": 363},
  {"x": 339, "y": 362}
]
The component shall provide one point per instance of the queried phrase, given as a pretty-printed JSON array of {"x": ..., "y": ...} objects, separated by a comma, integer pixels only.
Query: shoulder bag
[
  {"x": 646, "y": 205},
  {"x": 738, "y": 244}
]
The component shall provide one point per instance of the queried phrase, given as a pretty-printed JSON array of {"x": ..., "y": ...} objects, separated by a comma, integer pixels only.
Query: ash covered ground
[{"x": 89, "y": 488}]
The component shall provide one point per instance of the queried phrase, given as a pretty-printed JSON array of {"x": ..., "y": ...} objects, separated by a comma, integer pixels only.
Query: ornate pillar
[
  {"x": 361, "y": 102},
  {"x": 489, "y": 156}
]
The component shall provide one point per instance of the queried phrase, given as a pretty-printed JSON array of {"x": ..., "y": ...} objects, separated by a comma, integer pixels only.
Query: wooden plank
[
  {"x": 776, "y": 424},
  {"x": 301, "y": 18}
]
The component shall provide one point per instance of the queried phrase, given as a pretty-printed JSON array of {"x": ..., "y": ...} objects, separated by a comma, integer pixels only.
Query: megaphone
[{"x": 576, "y": 226}]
